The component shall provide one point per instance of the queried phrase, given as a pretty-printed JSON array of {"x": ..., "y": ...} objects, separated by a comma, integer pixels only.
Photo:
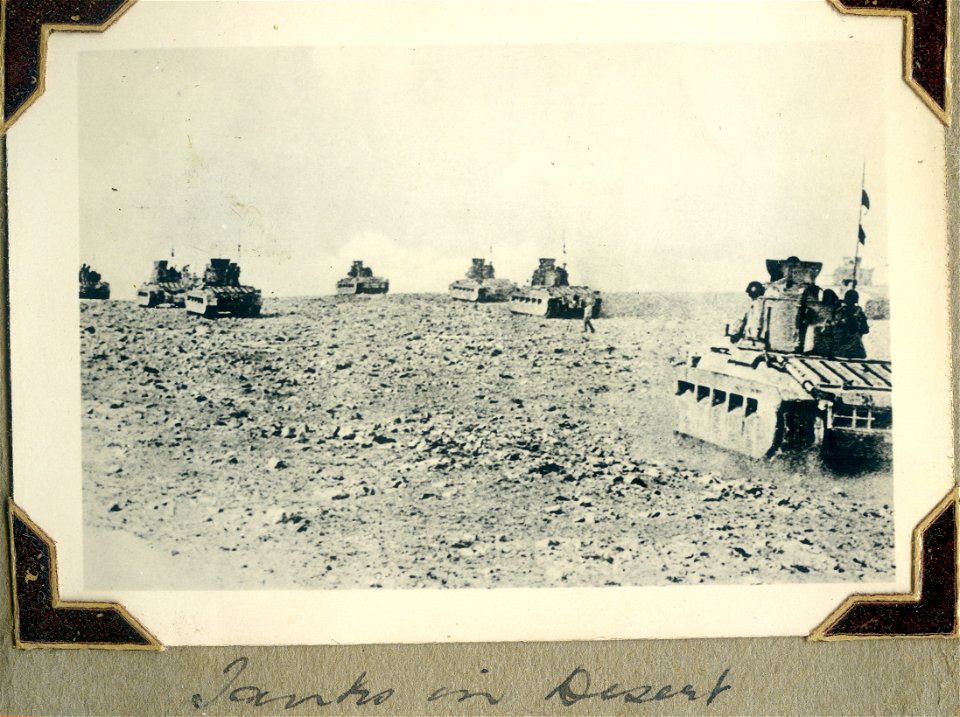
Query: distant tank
[
  {"x": 360, "y": 280},
  {"x": 551, "y": 296},
  {"x": 91, "y": 284},
  {"x": 167, "y": 286},
  {"x": 875, "y": 298},
  {"x": 221, "y": 293},
  {"x": 794, "y": 379},
  {"x": 481, "y": 284}
]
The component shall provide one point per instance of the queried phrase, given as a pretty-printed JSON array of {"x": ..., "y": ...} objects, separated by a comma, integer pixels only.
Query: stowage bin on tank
[
  {"x": 551, "y": 296},
  {"x": 167, "y": 286},
  {"x": 221, "y": 293},
  {"x": 481, "y": 284},
  {"x": 796, "y": 377},
  {"x": 360, "y": 280},
  {"x": 92, "y": 285}
]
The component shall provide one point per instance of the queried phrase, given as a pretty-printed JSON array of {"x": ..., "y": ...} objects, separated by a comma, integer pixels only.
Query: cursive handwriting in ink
[
  {"x": 363, "y": 694},
  {"x": 576, "y": 687},
  {"x": 464, "y": 695},
  {"x": 259, "y": 697}
]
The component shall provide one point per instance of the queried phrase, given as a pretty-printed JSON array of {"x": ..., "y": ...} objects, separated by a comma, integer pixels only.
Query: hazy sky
[{"x": 662, "y": 167}]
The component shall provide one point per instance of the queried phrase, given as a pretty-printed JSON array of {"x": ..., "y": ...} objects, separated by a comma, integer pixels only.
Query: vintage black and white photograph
[
  {"x": 479, "y": 317},
  {"x": 433, "y": 314}
]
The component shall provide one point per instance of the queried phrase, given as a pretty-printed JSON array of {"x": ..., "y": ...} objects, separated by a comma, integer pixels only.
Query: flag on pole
[
  {"x": 862, "y": 236},
  {"x": 865, "y": 200}
]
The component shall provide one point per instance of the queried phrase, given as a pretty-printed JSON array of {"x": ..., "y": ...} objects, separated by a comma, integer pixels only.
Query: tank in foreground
[
  {"x": 92, "y": 285},
  {"x": 551, "y": 296},
  {"x": 167, "y": 286},
  {"x": 481, "y": 284},
  {"x": 795, "y": 377},
  {"x": 360, "y": 280},
  {"x": 222, "y": 294}
]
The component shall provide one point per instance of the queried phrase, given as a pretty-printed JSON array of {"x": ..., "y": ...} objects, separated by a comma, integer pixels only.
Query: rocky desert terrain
[{"x": 408, "y": 441}]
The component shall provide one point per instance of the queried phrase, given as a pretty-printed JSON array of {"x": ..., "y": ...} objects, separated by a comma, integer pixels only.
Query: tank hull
[
  {"x": 173, "y": 294},
  {"x": 553, "y": 302},
  {"x": 352, "y": 287},
  {"x": 213, "y": 301},
  {"x": 100, "y": 290},
  {"x": 477, "y": 292},
  {"x": 756, "y": 405}
]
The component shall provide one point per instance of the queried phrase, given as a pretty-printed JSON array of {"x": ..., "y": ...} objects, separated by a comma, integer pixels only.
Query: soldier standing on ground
[{"x": 588, "y": 307}]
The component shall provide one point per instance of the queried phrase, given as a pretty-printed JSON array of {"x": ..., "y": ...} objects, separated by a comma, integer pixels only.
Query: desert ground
[{"x": 410, "y": 441}]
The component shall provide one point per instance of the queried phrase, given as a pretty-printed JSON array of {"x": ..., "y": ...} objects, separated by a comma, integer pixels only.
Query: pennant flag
[
  {"x": 865, "y": 200},
  {"x": 862, "y": 236}
]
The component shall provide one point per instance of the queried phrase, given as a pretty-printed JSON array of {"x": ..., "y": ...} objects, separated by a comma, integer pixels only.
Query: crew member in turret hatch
[
  {"x": 825, "y": 331},
  {"x": 754, "y": 291}
]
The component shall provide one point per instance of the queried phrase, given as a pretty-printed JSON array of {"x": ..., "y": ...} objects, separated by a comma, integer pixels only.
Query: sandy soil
[{"x": 413, "y": 441}]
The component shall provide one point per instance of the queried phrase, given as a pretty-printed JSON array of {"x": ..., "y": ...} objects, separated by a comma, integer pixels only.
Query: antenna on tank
[{"x": 861, "y": 236}]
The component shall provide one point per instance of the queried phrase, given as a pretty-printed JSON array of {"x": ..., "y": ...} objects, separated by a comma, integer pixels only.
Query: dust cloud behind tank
[
  {"x": 551, "y": 296},
  {"x": 481, "y": 284},
  {"x": 361, "y": 280},
  {"x": 167, "y": 286},
  {"x": 222, "y": 294},
  {"x": 92, "y": 285},
  {"x": 795, "y": 379}
]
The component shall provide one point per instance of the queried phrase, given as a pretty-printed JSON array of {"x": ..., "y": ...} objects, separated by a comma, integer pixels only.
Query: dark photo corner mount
[{"x": 42, "y": 620}]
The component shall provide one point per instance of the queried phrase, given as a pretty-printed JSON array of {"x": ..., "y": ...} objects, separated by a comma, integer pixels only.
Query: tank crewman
[
  {"x": 754, "y": 291},
  {"x": 824, "y": 325},
  {"x": 851, "y": 325}
]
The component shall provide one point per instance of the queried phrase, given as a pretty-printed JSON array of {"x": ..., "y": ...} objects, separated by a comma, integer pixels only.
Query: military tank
[
  {"x": 92, "y": 285},
  {"x": 222, "y": 294},
  {"x": 167, "y": 286},
  {"x": 481, "y": 284},
  {"x": 360, "y": 280},
  {"x": 793, "y": 379},
  {"x": 550, "y": 295}
]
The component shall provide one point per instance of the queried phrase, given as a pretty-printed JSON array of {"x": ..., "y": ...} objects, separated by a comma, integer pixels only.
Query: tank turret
[
  {"x": 480, "y": 270},
  {"x": 361, "y": 280},
  {"x": 481, "y": 284},
  {"x": 167, "y": 286},
  {"x": 795, "y": 377},
  {"x": 221, "y": 293},
  {"x": 92, "y": 285},
  {"x": 549, "y": 274},
  {"x": 551, "y": 296}
]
